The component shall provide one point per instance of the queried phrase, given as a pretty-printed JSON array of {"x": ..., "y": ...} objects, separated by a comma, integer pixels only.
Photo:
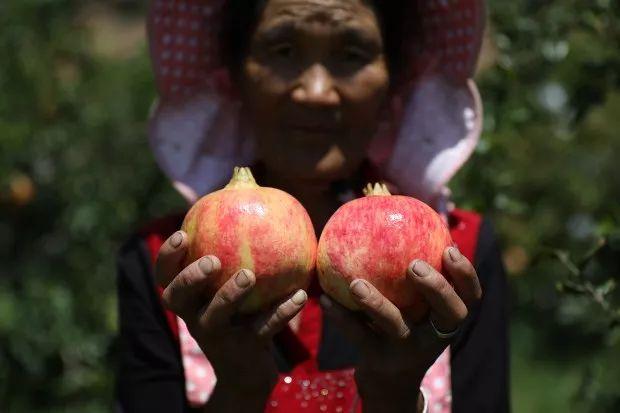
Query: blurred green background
[{"x": 76, "y": 179}]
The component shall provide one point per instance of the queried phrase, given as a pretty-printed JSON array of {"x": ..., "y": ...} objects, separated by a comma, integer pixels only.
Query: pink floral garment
[{"x": 199, "y": 375}]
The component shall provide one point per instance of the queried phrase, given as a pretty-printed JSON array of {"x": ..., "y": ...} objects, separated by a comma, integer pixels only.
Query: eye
[
  {"x": 283, "y": 50},
  {"x": 356, "y": 55}
]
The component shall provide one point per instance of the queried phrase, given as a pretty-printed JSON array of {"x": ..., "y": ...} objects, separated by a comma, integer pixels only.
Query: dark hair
[{"x": 241, "y": 16}]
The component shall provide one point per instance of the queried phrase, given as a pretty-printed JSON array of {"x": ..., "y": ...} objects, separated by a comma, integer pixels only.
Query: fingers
[
  {"x": 227, "y": 299},
  {"x": 447, "y": 309},
  {"x": 184, "y": 294},
  {"x": 268, "y": 326},
  {"x": 385, "y": 315},
  {"x": 170, "y": 258},
  {"x": 352, "y": 326},
  {"x": 463, "y": 275}
]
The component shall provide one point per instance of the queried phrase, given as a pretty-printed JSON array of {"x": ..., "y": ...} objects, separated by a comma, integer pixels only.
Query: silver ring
[
  {"x": 441, "y": 335},
  {"x": 425, "y": 397}
]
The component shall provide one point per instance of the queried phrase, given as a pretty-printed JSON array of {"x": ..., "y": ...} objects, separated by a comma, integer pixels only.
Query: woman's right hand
[{"x": 239, "y": 351}]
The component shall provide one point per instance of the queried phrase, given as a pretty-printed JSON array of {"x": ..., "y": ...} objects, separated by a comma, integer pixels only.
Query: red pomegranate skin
[
  {"x": 262, "y": 229},
  {"x": 376, "y": 238}
]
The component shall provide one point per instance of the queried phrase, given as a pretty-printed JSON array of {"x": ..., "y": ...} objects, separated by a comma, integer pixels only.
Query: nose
[{"x": 315, "y": 87}]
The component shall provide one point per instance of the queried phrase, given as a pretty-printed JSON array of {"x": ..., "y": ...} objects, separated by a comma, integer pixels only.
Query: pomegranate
[
  {"x": 376, "y": 238},
  {"x": 262, "y": 229}
]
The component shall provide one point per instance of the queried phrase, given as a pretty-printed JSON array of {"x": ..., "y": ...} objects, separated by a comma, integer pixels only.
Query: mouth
[
  {"x": 316, "y": 124},
  {"x": 314, "y": 129}
]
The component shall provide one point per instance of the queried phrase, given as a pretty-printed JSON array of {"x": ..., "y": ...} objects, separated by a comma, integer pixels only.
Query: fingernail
[
  {"x": 455, "y": 254},
  {"x": 325, "y": 301},
  {"x": 299, "y": 298},
  {"x": 359, "y": 288},
  {"x": 206, "y": 265},
  {"x": 176, "y": 239},
  {"x": 243, "y": 279},
  {"x": 420, "y": 268}
]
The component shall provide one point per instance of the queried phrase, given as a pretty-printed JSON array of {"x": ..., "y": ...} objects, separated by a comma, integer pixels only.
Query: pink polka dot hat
[{"x": 197, "y": 134}]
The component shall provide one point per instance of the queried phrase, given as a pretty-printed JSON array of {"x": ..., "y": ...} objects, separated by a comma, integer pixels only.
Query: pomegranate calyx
[
  {"x": 242, "y": 178},
  {"x": 378, "y": 189}
]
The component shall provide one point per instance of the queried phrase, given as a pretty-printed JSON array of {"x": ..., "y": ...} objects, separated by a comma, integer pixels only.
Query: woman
[{"x": 319, "y": 96}]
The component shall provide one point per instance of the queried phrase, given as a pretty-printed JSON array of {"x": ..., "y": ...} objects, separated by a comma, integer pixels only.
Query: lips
[
  {"x": 320, "y": 125},
  {"x": 314, "y": 129}
]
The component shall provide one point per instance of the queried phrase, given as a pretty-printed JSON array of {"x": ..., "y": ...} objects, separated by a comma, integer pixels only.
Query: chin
[
  {"x": 322, "y": 166},
  {"x": 332, "y": 172},
  {"x": 313, "y": 173},
  {"x": 317, "y": 173},
  {"x": 317, "y": 162}
]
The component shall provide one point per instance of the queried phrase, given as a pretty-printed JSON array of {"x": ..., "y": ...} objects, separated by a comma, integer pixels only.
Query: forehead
[{"x": 333, "y": 13}]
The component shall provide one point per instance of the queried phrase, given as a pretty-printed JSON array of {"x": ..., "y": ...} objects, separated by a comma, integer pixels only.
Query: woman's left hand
[{"x": 396, "y": 353}]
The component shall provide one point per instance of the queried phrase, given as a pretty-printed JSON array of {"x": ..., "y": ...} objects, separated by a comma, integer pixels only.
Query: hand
[
  {"x": 396, "y": 353},
  {"x": 238, "y": 348}
]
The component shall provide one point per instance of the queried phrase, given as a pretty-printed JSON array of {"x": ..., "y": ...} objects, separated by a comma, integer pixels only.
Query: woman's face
[{"x": 313, "y": 83}]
